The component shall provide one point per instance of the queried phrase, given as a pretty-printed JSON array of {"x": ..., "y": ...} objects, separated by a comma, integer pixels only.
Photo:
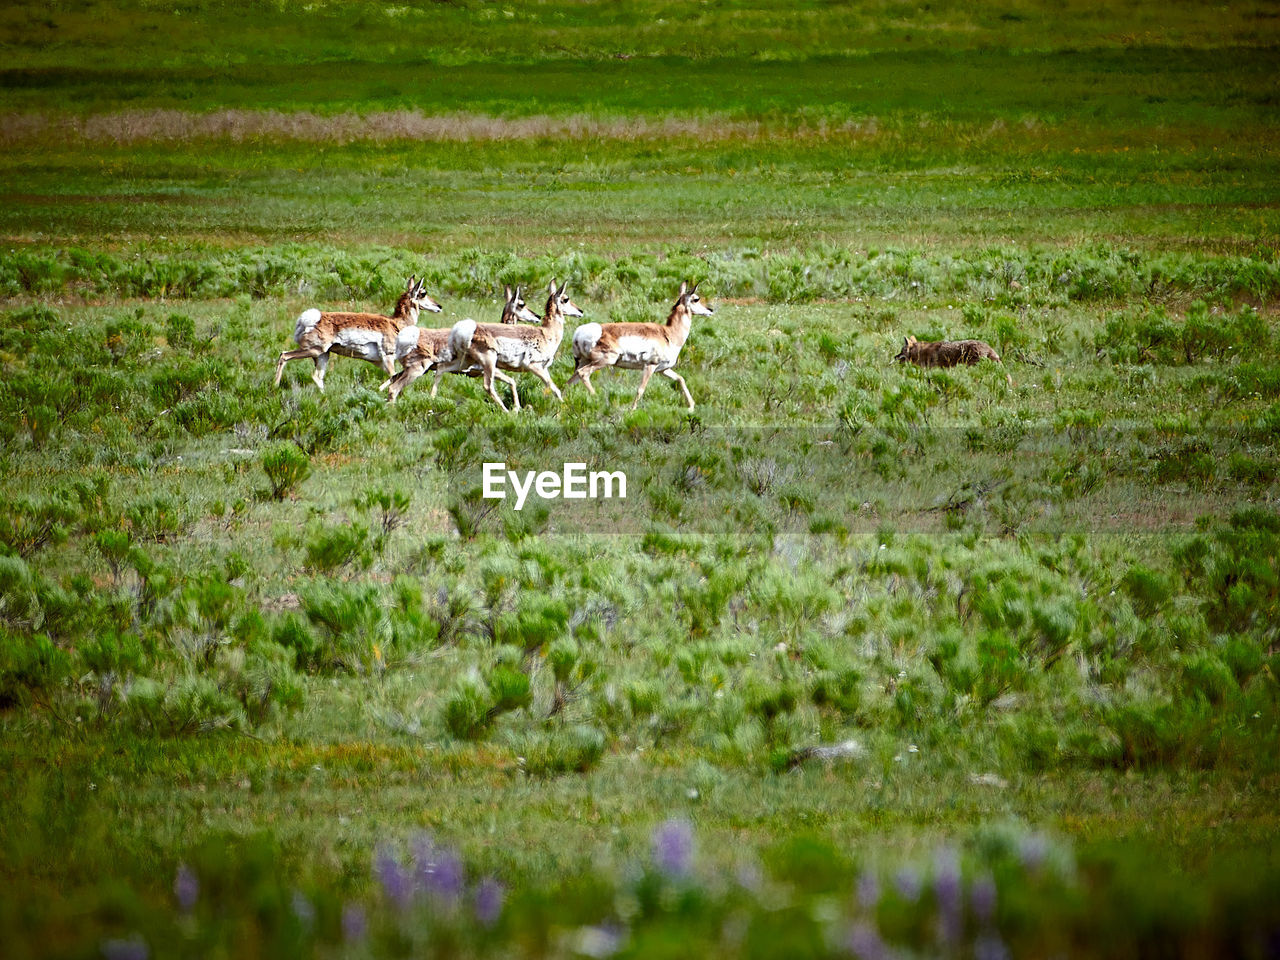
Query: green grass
[{"x": 274, "y": 635}]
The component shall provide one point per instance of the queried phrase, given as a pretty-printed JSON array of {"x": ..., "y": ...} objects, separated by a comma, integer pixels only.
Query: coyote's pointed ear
[
  {"x": 684, "y": 286},
  {"x": 912, "y": 339},
  {"x": 906, "y": 342}
]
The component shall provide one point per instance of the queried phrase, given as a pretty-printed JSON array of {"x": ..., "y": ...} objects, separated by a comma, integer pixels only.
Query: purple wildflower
[
  {"x": 989, "y": 946},
  {"x": 908, "y": 884},
  {"x": 865, "y": 943},
  {"x": 982, "y": 896},
  {"x": 132, "y": 948},
  {"x": 949, "y": 893},
  {"x": 446, "y": 877},
  {"x": 186, "y": 887},
  {"x": 749, "y": 877},
  {"x": 868, "y": 890},
  {"x": 599, "y": 941},
  {"x": 355, "y": 924},
  {"x": 489, "y": 897},
  {"x": 393, "y": 878},
  {"x": 423, "y": 847},
  {"x": 673, "y": 847},
  {"x": 303, "y": 909},
  {"x": 1033, "y": 850}
]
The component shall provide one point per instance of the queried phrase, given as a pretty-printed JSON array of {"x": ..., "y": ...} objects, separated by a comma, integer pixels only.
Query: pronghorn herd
[{"x": 488, "y": 349}]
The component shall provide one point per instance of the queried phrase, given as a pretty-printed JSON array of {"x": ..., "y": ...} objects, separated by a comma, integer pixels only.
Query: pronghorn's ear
[
  {"x": 563, "y": 287},
  {"x": 517, "y": 291},
  {"x": 684, "y": 285},
  {"x": 551, "y": 288},
  {"x": 695, "y": 287},
  {"x": 506, "y": 291}
]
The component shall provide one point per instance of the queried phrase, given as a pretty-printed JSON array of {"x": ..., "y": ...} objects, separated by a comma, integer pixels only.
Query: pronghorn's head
[
  {"x": 691, "y": 301},
  {"x": 419, "y": 299},
  {"x": 559, "y": 304},
  {"x": 906, "y": 352},
  {"x": 515, "y": 308}
]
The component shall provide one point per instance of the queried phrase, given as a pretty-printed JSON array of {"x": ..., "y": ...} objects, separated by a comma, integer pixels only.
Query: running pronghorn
[
  {"x": 420, "y": 350},
  {"x": 365, "y": 336},
  {"x": 494, "y": 347},
  {"x": 651, "y": 347}
]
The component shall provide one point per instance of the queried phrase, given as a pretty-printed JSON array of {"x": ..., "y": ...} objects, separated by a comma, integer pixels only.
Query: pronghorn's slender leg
[
  {"x": 436, "y": 384},
  {"x": 488, "y": 362},
  {"x": 401, "y": 380},
  {"x": 322, "y": 364},
  {"x": 541, "y": 374},
  {"x": 584, "y": 372},
  {"x": 515, "y": 391},
  {"x": 679, "y": 380},
  {"x": 306, "y": 353},
  {"x": 644, "y": 382}
]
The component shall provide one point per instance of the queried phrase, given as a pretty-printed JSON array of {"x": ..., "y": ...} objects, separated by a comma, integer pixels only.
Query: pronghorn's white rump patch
[
  {"x": 406, "y": 340},
  {"x": 572, "y": 483},
  {"x": 585, "y": 338},
  {"x": 461, "y": 336},
  {"x": 306, "y": 322}
]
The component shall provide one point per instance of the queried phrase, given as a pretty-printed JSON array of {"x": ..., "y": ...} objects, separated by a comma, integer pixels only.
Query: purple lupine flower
[
  {"x": 868, "y": 890},
  {"x": 186, "y": 887},
  {"x": 749, "y": 877},
  {"x": 673, "y": 847},
  {"x": 599, "y": 941},
  {"x": 949, "y": 893},
  {"x": 355, "y": 924},
  {"x": 989, "y": 946},
  {"x": 393, "y": 878},
  {"x": 908, "y": 884},
  {"x": 982, "y": 897},
  {"x": 1033, "y": 850},
  {"x": 865, "y": 943},
  {"x": 445, "y": 877},
  {"x": 423, "y": 848},
  {"x": 303, "y": 909},
  {"x": 489, "y": 897},
  {"x": 130, "y": 948}
]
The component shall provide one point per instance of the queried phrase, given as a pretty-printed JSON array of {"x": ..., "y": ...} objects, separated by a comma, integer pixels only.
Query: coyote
[{"x": 947, "y": 353}]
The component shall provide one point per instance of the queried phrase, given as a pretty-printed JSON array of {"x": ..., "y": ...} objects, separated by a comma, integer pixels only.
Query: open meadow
[{"x": 872, "y": 660}]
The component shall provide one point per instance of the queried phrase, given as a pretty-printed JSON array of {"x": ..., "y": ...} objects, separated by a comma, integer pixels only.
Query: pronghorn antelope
[
  {"x": 365, "y": 336},
  {"x": 495, "y": 348},
  {"x": 420, "y": 350},
  {"x": 947, "y": 353},
  {"x": 651, "y": 347}
]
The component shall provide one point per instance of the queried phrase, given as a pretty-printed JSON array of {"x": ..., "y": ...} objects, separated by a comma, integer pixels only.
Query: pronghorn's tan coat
[
  {"x": 496, "y": 347},
  {"x": 365, "y": 336},
  {"x": 429, "y": 348},
  {"x": 947, "y": 353},
  {"x": 651, "y": 347}
]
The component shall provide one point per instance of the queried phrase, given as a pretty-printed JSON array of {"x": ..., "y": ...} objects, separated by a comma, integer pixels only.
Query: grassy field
[{"x": 871, "y": 660}]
